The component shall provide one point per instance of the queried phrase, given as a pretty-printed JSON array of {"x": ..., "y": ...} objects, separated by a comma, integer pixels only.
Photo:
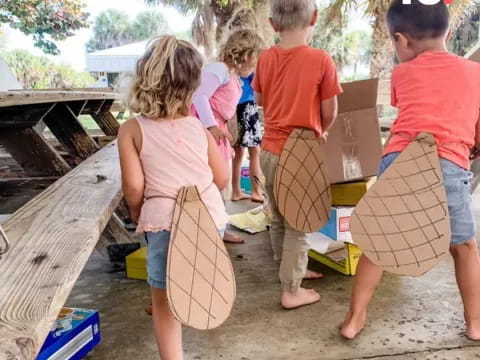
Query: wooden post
[
  {"x": 64, "y": 124},
  {"x": 32, "y": 152},
  {"x": 114, "y": 233},
  {"x": 107, "y": 122}
]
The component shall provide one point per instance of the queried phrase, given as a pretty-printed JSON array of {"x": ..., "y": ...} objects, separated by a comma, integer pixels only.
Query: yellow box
[
  {"x": 349, "y": 194},
  {"x": 344, "y": 260},
  {"x": 137, "y": 264}
]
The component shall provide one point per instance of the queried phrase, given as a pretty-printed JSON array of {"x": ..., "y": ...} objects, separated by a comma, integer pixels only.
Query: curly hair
[
  {"x": 165, "y": 79},
  {"x": 240, "y": 46}
]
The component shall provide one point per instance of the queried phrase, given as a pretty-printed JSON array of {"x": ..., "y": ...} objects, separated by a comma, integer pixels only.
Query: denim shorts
[
  {"x": 157, "y": 254},
  {"x": 457, "y": 185}
]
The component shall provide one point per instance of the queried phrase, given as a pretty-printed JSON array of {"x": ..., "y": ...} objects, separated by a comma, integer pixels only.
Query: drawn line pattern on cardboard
[
  {"x": 418, "y": 236},
  {"x": 189, "y": 202},
  {"x": 309, "y": 217}
]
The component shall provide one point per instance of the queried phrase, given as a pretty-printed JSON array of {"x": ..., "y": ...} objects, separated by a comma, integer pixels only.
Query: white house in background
[
  {"x": 117, "y": 60},
  {"x": 8, "y": 81}
]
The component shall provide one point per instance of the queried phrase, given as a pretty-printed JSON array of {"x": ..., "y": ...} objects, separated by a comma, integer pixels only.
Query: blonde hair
[
  {"x": 165, "y": 79},
  {"x": 292, "y": 14},
  {"x": 240, "y": 46}
]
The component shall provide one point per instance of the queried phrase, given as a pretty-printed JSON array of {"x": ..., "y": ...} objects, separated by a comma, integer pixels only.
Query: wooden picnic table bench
[{"x": 51, "y": 239}]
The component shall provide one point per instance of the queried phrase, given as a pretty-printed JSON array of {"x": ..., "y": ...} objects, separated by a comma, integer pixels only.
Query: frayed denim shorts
[
  {"x": 457, "y": 185},
  {"x": 157, "y": 254}
]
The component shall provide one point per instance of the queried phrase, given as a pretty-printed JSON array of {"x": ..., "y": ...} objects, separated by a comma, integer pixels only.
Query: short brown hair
[
  {"x": 292, "y": 14},
  {"x": 240, "y": 46},
  {"x": 165, "y": 79}
]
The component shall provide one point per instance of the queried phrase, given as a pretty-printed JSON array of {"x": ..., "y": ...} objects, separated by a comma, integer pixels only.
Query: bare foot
[
  {"x": 353, "y": 325},
  {"x": 231, "y": 238},
  {"x": 237, "y": 196},
  {"x": 299, "y": 298},
  {"x": 473, "y": 330},
  {"x": 312, "y": 275},
  {"x": 257, "y": 197}
]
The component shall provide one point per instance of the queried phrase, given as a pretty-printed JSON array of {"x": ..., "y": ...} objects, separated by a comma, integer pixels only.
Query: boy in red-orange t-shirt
[
  {"x": 297, "y": 86},
  {"x": 439, "y": 93}
]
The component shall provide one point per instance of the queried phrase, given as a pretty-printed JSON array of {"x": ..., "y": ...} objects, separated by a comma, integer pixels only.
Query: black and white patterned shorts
[{"x": 249, "y": 130}]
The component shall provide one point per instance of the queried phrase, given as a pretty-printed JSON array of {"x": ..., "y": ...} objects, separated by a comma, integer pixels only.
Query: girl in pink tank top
[{"x": 162, "y": 150}]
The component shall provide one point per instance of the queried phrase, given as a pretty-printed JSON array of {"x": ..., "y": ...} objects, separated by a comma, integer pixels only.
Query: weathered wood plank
[
  {"x": 23, "y": 116},
  {"x": 107, "y": 122},
  {"x": 64, "y": 124},
  {"x": 33, "y": 152},
  {"x": 14, "y": 98},
  {"x": 51, "y": 239}
]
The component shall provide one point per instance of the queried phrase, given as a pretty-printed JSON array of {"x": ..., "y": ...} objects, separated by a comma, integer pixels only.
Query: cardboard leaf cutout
[
  {"x": 200, "y": 280},
  {"x": 301, "y": 187},
  {"x": 402, "y": 223}
]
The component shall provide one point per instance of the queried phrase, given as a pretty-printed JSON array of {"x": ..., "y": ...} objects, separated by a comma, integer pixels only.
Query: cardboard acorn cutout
[
  {"x": 402, "y": 223},
  {"x": 301, "y": 187},
  {"x": 200, "y": 279}
]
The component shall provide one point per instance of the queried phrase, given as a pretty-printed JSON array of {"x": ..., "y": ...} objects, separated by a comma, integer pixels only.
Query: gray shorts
[
  {"x": 457, "y": 185},
  {"x": 157, "y": 255}
]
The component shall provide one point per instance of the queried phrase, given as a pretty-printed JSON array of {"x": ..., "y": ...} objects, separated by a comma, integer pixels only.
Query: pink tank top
[{"x": 175, "y": 154}]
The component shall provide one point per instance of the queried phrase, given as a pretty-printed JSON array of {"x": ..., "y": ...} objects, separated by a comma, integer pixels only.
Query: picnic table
[{"x": 52, "y": 235}]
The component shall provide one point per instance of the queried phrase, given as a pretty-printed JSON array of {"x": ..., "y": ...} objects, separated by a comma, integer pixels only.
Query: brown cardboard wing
[
  {"x": 200, "y": 280},
  {"x": 354, "y": 143},
  {"x": 301, "y": 187},
  {"x": 402, "y": 223}
]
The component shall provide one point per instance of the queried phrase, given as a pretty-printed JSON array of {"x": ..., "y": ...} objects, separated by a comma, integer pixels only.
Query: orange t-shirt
[
  {"x": 293, "y": 83},
  {"x": 439, "y": 93}
]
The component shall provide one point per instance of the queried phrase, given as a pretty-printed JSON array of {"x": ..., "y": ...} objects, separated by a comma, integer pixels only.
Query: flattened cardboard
[
  {"x": 402, "y": 223},
  {"x": 200, "y": 280},
  {"x": 301, "y": 186},
  {"x": 354, "y": 145}
]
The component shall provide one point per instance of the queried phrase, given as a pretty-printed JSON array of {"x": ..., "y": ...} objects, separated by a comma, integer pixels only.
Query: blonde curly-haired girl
[
  {"x": 215, "y": 101},
  {"x": 162, "y": 150}
]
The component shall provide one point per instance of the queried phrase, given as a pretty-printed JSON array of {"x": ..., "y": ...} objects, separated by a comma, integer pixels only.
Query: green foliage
[
  {"x": 38, "y": 72},
  {"x": 46, "y": 20},
  {"x": 113, "y": 28}
]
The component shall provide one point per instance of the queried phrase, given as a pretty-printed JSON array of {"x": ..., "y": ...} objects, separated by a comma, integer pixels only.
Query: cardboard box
[
  {"x": 74, "y": 334},
  {"x": 354, "y": 145},
  {"x": 349, "y": 194},
  {"x": 338, "y": 226},
  {"x": 136, "y": 264},
  {"x": 337, "y": 255}
]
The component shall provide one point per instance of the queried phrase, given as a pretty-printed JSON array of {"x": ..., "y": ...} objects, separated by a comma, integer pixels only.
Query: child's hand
[
  {"x": 324, "y": 136},
  {"x": 218, "y": 134}
]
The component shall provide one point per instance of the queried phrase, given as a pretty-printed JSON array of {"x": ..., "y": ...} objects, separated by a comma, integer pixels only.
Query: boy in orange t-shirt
[
  {"x": 297, "y": 86},
  {"x": 439, "y": 93}
]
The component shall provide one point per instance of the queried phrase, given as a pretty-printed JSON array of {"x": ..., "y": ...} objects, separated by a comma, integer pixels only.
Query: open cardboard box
[{"x": 354, "y": 145}]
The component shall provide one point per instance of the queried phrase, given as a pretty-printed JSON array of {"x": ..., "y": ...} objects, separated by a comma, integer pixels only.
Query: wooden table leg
[
  {"x": 66, "y": 127},
  {"x": 107, "y": 122},
  {"x": 32, "y": 152}
]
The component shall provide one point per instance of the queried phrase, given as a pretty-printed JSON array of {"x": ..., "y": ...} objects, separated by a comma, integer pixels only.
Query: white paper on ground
[{"x": 319, "y": 242}]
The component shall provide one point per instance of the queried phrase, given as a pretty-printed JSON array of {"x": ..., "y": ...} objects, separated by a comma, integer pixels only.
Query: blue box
[
  {"x": 245, "y": 182},
  {"x": 338, "y": 226},
  {"x": 74, "y": 334}
]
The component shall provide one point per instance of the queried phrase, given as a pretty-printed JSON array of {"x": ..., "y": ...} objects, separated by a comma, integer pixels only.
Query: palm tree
[
  {"x": 382, "y": 49},
  {"x": 212, "y": 18}
]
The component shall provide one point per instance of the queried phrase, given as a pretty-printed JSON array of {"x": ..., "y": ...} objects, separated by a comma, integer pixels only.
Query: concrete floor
[{"x": 410, "y": 318}]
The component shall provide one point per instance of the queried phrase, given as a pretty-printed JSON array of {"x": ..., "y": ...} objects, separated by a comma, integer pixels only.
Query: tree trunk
[
  {"x": 383, "y": 53},
  {"x": 262, "y": 11}
]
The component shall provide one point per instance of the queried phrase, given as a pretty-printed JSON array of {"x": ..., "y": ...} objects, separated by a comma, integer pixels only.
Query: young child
[
  {"x": 250, "y": 137},
  {"x": 298, "y": 87},
  {"x": 162, "y": 150},
  {"x": 216, "y": 100},
  {"x": 439, "y": 93}
]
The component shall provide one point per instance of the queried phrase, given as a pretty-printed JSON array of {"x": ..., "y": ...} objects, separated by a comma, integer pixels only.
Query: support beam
[
  {"x": 33, "y": 153},
  {"x": 107, "y": 122},
  {"x": 114, "y": 233},
  {"x": 64, "y": 124}
]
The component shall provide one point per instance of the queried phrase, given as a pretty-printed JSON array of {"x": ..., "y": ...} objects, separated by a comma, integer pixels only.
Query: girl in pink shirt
[
  {"x": 215, "y": 101},
  {"x": 162, "y": 150}
]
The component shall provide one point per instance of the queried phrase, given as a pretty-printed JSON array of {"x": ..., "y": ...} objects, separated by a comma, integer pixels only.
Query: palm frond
[{"x": 460, "y": 10}]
